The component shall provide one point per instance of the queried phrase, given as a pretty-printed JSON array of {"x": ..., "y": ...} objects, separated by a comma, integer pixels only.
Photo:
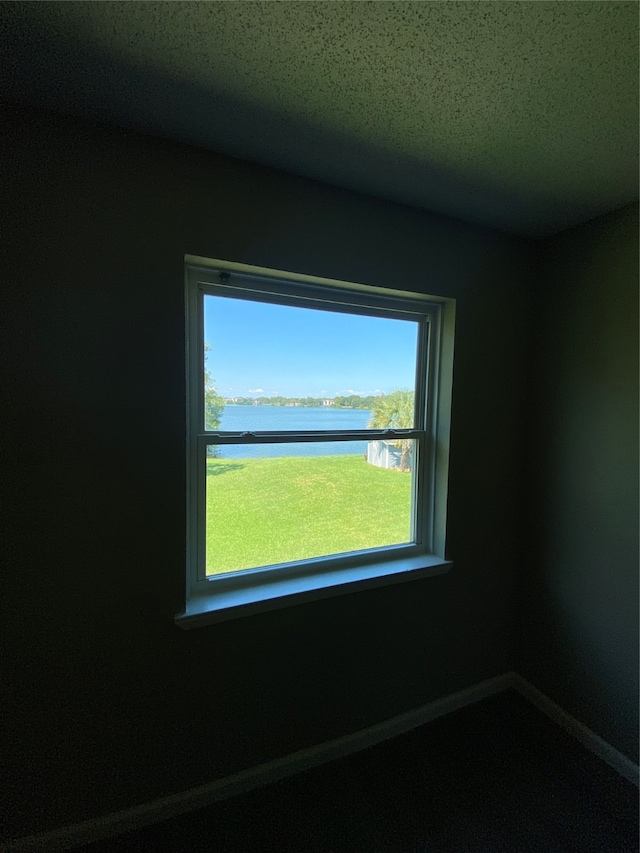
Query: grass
[{"x": 276, "y": 510}]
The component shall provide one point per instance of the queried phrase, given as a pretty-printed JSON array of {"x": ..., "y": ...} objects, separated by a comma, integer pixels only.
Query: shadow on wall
[{"x": 149, "y": 96}]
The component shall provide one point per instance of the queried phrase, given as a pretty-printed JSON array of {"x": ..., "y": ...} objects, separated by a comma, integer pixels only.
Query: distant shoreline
[
  {"x": 295, "y": 406},
  {"x": 365, "y": 403}
]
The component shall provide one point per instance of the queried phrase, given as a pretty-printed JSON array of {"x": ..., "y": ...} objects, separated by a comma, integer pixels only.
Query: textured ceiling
[{"x": 518, "y": 115}]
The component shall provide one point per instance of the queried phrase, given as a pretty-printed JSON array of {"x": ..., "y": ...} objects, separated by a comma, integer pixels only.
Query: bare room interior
[{"x": 484, "y": 154}]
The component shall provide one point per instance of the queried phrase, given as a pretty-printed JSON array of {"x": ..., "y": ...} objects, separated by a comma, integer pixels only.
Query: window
[{"x": 317, "y": 437}]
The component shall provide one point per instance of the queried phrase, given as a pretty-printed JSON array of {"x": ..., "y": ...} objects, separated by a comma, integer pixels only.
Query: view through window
[{"x": 313, "y": 430}]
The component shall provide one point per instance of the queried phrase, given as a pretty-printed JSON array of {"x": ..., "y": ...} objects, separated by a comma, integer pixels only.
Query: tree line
[{"x": 353, "y": 401}]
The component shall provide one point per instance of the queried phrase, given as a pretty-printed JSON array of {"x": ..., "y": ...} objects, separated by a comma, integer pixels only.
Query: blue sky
[{"x": 258, "y": 349}]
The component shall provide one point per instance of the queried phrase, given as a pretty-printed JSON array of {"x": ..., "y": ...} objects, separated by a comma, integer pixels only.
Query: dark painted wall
[
  {"x": 106, "y": 702},
  {"x": 579, "y": 639}
]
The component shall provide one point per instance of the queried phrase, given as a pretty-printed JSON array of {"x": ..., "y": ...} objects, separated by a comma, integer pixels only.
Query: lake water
[{"x": 274, "y": 418}]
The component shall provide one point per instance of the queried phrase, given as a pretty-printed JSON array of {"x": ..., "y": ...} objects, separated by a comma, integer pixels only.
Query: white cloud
[
  {"x": 255, "y": 391},
  {"x": 347, "y": 391}
]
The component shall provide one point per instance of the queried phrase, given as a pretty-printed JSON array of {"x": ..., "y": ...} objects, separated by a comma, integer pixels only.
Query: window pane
[
  {"x": 275, "y": 367},
  {"x": 278, "y": 503}
]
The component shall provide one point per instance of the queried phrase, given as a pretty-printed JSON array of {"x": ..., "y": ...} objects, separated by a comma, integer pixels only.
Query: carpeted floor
[{"x": 497, "y": 776}]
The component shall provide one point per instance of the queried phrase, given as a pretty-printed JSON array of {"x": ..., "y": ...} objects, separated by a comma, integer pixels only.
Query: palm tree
[{"x": 395, "y": 411}]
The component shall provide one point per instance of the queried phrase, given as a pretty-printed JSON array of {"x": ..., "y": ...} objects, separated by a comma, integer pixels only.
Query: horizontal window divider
[{"x": 297, "y": 437}]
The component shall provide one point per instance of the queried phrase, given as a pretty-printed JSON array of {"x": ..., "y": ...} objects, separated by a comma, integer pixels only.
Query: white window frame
[{"x": 225, "y": 596}]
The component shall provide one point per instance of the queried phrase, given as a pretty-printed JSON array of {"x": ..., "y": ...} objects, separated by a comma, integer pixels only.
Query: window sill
[{"x": 222, "y": 605}]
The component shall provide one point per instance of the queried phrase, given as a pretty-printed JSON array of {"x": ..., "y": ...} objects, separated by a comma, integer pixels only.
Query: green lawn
[{"x": 264, "y": 511}]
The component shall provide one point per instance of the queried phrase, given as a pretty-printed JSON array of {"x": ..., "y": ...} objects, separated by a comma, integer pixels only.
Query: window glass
[
  {"x": 282, "y": 502},
  {"x": 263, "y": 360}
]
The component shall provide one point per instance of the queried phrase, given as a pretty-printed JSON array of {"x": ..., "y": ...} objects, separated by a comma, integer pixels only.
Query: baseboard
[
  {"x": 138, "y": 817},
  {"x": 625, "y": 766},
  {"x": 107, "y": 826}
]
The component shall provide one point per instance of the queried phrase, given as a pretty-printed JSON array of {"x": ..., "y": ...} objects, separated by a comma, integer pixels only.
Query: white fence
[{"x": 387, "y": 454}]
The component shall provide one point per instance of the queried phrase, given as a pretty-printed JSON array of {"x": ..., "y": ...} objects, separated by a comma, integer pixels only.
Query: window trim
[{"x": 239, "y": 593}]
